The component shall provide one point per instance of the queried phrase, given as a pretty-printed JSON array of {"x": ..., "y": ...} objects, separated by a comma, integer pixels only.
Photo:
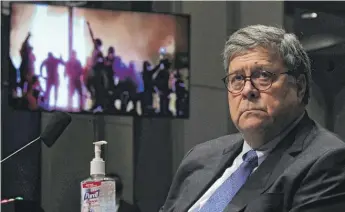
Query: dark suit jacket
[{"x": 305, "y": 172}]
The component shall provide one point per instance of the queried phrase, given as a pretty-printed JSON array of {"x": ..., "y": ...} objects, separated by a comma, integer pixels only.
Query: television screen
[{"x": 84, "y": 60}]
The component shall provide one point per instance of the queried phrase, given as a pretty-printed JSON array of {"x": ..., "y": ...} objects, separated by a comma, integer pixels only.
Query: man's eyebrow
[
  {"x": 253, "y": 68},
  {"x": 233, "y": 71}
]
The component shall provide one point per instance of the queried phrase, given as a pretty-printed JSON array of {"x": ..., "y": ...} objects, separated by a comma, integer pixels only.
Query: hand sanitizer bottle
[{"x": 98, "y": 191}]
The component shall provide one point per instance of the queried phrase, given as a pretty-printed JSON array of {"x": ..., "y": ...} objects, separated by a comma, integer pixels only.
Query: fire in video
[{"x": 99, "y": 61}]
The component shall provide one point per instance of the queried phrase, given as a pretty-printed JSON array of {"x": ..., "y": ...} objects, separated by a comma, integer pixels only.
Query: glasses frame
[{"x": 249, "y": 78}]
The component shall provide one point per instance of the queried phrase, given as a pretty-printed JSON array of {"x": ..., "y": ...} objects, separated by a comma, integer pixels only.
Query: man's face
[{"x": 253, "y": 110}]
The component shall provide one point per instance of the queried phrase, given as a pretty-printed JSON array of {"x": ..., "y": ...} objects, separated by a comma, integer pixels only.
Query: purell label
[
  {"x": 91, "y": 195},
  {"x": 98, "y": 196}
]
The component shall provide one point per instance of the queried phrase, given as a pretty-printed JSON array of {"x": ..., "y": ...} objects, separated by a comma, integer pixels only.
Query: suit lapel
[
  {"x": 273, "y": 166},
  {"x": 197, "y": 188},
  {"x": 292, "y": 150}
]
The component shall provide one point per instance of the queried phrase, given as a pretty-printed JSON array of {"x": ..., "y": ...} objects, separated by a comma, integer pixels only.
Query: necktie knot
[{"x": 251, "y": 157}]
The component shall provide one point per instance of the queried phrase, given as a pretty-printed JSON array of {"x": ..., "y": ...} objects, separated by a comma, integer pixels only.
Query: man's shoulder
[
  {"x": 214, "y": 146},
  {"x": 325, "y": 141},
  {"x": 208, "y": 154},
  {"x": 220, "y": 142},
  {"x": 320, "y": 147}
]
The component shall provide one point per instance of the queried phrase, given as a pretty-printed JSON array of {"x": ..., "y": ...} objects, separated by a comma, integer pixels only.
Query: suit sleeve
[
  {"x": 323, "y": 188},
  {"x": 176, "y": 183}
]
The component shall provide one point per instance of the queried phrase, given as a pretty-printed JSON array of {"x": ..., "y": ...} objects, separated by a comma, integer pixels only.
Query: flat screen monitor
[{"x": 87, "y": 60}]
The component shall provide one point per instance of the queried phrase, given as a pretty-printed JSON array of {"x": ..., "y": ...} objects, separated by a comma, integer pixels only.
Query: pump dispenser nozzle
[{"x": 98, "y": 164}]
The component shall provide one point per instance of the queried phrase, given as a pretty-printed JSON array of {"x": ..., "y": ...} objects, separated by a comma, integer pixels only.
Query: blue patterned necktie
[{"x": 225, "y": 192}]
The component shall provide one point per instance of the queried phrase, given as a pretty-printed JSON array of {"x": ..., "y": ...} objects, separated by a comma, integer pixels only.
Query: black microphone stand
[{"x": 33, "y": 141}]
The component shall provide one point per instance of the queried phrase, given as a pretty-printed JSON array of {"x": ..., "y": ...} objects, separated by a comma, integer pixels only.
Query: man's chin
[{"x": 252, "y": 125}]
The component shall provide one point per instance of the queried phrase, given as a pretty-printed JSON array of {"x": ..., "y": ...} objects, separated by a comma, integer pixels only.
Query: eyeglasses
[{"x": 261, "y": 80}]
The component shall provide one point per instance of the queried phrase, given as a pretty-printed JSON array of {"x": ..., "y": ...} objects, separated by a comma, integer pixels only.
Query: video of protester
[{"x": 83, "y": 60}]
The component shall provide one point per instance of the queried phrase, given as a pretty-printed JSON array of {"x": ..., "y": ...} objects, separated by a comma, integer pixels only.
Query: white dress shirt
[{"x": 262, "y": 153}]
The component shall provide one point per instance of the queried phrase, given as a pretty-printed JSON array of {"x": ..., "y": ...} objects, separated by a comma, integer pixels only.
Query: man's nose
[{"x": 249, "y": 91}]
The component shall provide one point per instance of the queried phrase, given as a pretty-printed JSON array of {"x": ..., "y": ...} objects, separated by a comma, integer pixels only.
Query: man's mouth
[{"x": 252, "y": 110}]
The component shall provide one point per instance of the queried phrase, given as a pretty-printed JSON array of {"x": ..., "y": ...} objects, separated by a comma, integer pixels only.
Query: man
[
  {"x": 27, "y": 67},
  {"x": 161, "y": 79},
  {"x": 281, "y": 160},
  {"x": 51, "y": 63},
  {"x": 147, "y": 97},
  {"x": 74, "y": 72},
  {"x": 97, "y": 79}
]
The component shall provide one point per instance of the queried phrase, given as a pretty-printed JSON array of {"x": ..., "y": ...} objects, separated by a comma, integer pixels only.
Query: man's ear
[{"x": 301, "y": 82}]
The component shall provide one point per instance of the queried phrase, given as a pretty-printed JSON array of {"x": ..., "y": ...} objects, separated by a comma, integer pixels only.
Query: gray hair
[{"x": 286, "y": 45}]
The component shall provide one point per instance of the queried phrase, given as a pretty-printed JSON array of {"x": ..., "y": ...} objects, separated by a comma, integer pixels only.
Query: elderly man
[{"x": 281, "y": 160}]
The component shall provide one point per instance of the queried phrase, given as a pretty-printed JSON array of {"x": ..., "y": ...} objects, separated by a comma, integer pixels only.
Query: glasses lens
[
  {"x": 235, "y": 83},
  {"x": 262, "y": 80}
]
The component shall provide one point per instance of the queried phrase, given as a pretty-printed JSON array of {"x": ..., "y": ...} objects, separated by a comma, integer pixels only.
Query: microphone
[{"x": 55, "y": 127}]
